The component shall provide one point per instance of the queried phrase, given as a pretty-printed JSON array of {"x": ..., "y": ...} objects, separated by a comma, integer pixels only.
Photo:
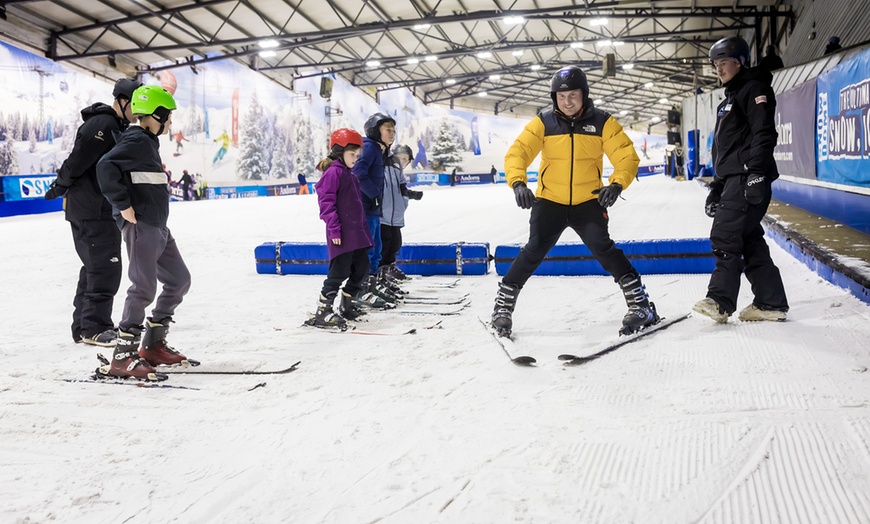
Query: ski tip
[
  {"x": 567, "y": 357},
  {"x": 526, "y": 361}
]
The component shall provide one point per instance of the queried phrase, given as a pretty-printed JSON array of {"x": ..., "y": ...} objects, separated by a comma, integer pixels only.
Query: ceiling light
[
  {"x": 518, "y": 53},
  {"x": 663, "y": 100},
  {"x": 598, "y": 101},
  {"x": 420, "y": 27},
  {"x": 628, "y": 66},
  {"x": 656, "y": 119},
  {"x": 513, "y": 20},
  {"x": 450, "y": 81},
  {"x": 485, "y": 54},
  {"x": 266, "y": 44},
  {"x": 617, "y": 43},
  {"x": 372, "y": 63},
  {"x": 598, "y": 21},
  {"x": 483, "y": 93},
  {"x": 535, "y": 67},
  {"x": 576, "y": 45},
  {"x": 494, "y": 78},
  {"x": 623, "y": 112},
  {"x": 604, "y": 43},
  {"x": 431, "y": 58},
  {"x": 268, "y": 54},
  {"x": 648, "y": 85},
  {"x": 412, "y": 61}
]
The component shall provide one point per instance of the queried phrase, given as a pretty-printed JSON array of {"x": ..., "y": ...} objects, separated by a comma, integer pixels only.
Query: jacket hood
[
  {"x": 760, "y": 74},
  {"x": 98, "y": 109}
]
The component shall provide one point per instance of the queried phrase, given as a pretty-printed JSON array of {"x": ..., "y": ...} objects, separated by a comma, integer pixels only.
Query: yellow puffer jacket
[{"x": 572, "y": 153}]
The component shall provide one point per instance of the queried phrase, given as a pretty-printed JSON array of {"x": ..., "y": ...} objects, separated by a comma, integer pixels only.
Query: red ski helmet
[{"x": 340, "y": 139}]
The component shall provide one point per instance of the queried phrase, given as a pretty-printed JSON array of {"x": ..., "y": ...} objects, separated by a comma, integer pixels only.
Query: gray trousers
[{"x": 153, "y": 256}]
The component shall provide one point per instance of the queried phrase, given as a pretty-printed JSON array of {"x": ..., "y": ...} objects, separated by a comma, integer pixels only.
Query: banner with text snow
[
  {"x": 843, "y": 123},
  {"x": 795, "y": 151}
]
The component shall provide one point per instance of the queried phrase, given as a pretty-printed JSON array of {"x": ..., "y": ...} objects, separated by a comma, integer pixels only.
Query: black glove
[
  {"x": 525, "y": 197},
  {"x": 713, "y": 198},
  {"x": 415, "y": 195},
  {"x": 55, "y": 191},
  {"x": 608, "y": 194},
  {"x": 756, "y": 188}
]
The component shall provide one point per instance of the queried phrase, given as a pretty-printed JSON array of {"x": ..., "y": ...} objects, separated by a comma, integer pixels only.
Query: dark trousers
[
  {"x": 374, "y": 224},
  {"x": 352, "y": 266},
  {"x": 98, "y": 244},
  {"x": 153, "y": 256},
  {"x": 738, "y": 244},
  {"x": 391, "y": 239},
  {"x": 549, "y": 220}
]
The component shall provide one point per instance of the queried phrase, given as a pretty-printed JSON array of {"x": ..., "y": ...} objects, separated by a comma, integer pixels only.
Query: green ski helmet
[{"x": 153, "y": 101}]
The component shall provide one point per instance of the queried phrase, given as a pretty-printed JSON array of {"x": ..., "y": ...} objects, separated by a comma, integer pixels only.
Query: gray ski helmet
[
  {"x": 568, "y": 79},
  {"x": 373, "y": 124},
  {"x": 405, "y": 150},
  {"x": 731, "y": 47},
  {"x": 124, "y": 88}
]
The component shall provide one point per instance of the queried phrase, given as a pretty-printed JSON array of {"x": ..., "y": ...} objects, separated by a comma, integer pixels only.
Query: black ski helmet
[
  {"x": 373, "y": 124},
  {"x": 731, "y": 47},
  {"x": 404, "y": 149},
  {"x": 568, "y": 79},
  {"x": 124, "y": 88}
]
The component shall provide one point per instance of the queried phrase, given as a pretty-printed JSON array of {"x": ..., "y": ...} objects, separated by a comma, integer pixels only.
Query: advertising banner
[
  {"x": 795, "y": 151},
  {"x": 30, "y": 187},
  {"x": 843, "y": 123}
]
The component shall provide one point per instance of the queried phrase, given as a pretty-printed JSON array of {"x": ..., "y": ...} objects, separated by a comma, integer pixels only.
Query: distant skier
[
  {"x": 186, "y": 182},
  {"x": 224, "y": 139},
  {"x": 179, "y": 138}
]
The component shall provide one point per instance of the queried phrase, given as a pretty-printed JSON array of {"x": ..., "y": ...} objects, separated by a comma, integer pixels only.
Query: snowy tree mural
[
  {"x": 304, "y": 144},
  {"x": 253, "y": 163},
  {"x": 282, "y": 159},
  {"x": 447, "y": 147},
  {"x": 8, "y": 158},
  {"x": 32, "y": 139}
]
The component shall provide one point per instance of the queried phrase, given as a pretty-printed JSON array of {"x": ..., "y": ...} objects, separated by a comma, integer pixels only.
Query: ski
[
  {"x": 420, "y": 309},
  {"x": 284, "y": 371},
  {"x": 435, "y": 301},
  {"x": 507, "y": 345},
  {"x": 94, "y": 379},
  {"x": 412, "y": 331},
  {"x": 576, "y": 360},
  {"x": 352, "y": 330}
]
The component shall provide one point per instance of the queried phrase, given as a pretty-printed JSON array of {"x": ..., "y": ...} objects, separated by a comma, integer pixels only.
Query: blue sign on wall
[{"x": 843, "y": 123}]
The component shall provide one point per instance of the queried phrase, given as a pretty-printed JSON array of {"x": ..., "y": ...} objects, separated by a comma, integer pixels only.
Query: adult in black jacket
[
  {"x": 744, "y": 167},
  {"x": 97, "y": 241}
]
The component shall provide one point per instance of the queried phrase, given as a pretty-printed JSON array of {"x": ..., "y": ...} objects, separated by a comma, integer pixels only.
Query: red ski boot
[
  {"x": 155, "y": 349},
  {"x": 126, "y": 362}
]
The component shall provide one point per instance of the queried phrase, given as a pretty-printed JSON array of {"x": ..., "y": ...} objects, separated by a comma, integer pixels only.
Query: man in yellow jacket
[{"x": 572, "y": 138}]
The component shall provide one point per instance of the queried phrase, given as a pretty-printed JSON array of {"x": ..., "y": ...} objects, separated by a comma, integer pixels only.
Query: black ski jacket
[
  {"x": 94, "y": 138},
  {"x": 131, "y": 174},
  {"x": 745, "y": 132}
]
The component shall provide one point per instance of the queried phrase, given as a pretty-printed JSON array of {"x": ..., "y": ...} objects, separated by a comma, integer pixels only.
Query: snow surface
[{"x": 741, "y": 422}]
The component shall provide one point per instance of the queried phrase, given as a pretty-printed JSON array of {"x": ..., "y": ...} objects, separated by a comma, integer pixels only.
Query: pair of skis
[{"x": 507, "y": 344}]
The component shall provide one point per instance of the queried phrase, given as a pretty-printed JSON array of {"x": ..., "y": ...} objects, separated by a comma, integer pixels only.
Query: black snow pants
[{"x": 98, "y": 244}]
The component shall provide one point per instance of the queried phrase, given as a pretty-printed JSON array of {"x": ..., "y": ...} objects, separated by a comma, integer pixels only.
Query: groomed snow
[{"x": 699, "y": 423}]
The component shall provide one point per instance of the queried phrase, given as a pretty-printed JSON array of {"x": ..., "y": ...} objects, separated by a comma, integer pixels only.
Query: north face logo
[{"x": 589, "y": 128}]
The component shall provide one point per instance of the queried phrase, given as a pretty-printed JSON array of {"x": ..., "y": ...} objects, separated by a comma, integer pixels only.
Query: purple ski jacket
[{"x": 341, "y": 208}]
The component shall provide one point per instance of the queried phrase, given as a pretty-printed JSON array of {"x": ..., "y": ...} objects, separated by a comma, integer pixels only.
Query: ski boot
[
  {"x": 105, "y": 339},
  {"x": 126, "y": 362},
  {"x": 753, "y": 313},
  {"x": 155, "y": 349},
  {"x": 502, "y": 313},
  {"x": 367, "y": 299},
  {"x": 325, "y": 318},
  {"x": 375, "y": 287},
  {"x": 641, "y": 312},
  {"x": 710, "y": 308},
  {"x": 348, "y": 308},
  {"x": 397, "y": 273},
  {"x": 391, "y": 284}
]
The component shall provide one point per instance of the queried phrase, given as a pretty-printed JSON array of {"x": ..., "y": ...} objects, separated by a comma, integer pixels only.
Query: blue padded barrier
[
  {"x": 309, "y": 258},
  {"x": 687, "y": 255}
]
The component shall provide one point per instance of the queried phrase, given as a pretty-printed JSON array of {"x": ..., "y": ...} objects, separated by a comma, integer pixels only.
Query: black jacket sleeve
[
  {"x": 111, "y": 171},
  {"x": 93, "y": 140},
  {"x": 759, "y": 105}
]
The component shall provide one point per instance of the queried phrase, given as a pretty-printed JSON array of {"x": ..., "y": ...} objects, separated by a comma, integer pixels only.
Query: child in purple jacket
[{"x": 347, "y": 235}]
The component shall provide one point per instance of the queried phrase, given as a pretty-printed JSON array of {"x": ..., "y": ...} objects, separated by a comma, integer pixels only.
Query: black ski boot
[
  {"x": 397, "y": 273},
  {"x": 390, "y": 283},
  {"x": 502, "y": 313},
  {"x": 325, "y": 318},
  {"x": 374, "y": 286},
  {"x": 641, "y": 312},
  {"x": 348, "y": 307},
  {"x": 157, "y": 351}
]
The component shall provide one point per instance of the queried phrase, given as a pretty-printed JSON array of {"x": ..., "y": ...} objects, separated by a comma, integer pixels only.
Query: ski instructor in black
[
  {"x": 96, "y": 238},
  {"x": 572, "y": 138},
  {"x": 743, "y": 143}
]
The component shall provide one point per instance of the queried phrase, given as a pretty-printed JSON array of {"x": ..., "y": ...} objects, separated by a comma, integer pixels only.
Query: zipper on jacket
[{"x": 571, "y": 170}]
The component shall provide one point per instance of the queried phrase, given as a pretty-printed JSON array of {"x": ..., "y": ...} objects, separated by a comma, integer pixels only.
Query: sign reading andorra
[{"x": 843, "y": 123}]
